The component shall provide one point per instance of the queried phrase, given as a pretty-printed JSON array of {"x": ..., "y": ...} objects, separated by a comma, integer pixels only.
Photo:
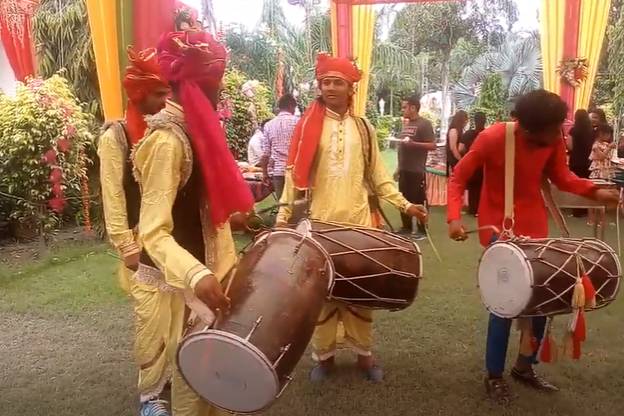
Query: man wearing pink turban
[{"x": 190, "y": 187}]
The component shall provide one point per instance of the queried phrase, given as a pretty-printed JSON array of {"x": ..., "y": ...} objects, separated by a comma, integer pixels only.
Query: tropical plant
[
  {"x": 63, "y": 43},
  {"x": 518, "y": 62},
  {"x": 244, "y": 112},
  {"x": 616, "y": 65},
  {"x": 493, "y": 98},
  {"x": 43, "y": 136}
]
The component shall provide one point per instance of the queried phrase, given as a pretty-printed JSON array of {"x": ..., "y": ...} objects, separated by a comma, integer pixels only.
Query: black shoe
[
  {"x": 498, "y": 390},
  {"x": 530, "y": 379}
]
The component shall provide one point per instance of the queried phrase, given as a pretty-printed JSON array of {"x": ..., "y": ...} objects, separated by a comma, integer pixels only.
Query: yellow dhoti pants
[
  {"x": 358, "y": 330},
  {"x": 154, "y": 323}
]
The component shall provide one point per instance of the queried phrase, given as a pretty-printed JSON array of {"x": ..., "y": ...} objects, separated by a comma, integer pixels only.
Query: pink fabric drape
[
  {"x": 152, "y": 18},
  {"x": 16, "y": 35}
]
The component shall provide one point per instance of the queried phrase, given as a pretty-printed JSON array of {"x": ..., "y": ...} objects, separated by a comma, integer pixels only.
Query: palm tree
[{"x": 518, "y": 61}]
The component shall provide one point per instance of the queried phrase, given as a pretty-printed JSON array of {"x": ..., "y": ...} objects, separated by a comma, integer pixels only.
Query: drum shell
[
  {"x": 277, "y": 292},
  {"x": 358, "y": 252},
  {"x": 553, "y": 270}
]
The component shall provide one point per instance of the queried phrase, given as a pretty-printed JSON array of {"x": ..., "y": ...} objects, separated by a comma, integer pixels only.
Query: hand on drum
[
  {"x": 457, "y": 231},
  {"x": 418, "y": 211},
  {"x": 609, "y": 197},
  {"x": 209, "y": 291}
]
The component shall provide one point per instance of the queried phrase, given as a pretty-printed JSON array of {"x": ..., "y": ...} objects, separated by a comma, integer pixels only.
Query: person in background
[
  {"x": 621, "y": 146},
  {"x": 417, "y": 140},
  {"x": 277, "y": 136},
  {"x": 597, "y": 117},
  {"x": 474, "y": 185},
  {"x": 601, "y": 154},
  {"x": 453, "y": 138},
  {"x": 254, "y": 147},
  {"x": 580, "y": 146}
]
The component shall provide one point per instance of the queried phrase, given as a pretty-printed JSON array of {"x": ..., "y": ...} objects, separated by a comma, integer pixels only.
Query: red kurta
[{"x": 532, "y": 164}]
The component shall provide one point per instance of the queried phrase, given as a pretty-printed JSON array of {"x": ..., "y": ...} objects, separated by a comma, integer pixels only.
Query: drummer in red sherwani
[{"x": 540, "y": 152}]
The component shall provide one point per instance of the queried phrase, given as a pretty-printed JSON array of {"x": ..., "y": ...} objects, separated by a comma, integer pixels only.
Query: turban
[
  {"x": 142, "y": 77},
  {"x": 195, "y": 63},
  {"x": 307, "y": 134},
  {"x": 328, "y": 66}
]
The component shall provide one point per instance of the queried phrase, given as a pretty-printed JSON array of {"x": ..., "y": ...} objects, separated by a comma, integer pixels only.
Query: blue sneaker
[
  {"x": 154, "y": 408},
  {"x": 374, "y": 374},
  {"x": 319, "y": 374}
]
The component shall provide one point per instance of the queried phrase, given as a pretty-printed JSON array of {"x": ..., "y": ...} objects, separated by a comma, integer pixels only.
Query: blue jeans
[{"x": 498, "y": 340}]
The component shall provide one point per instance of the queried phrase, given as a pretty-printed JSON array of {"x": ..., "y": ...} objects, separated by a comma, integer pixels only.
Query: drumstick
[
  {"x": 484, "y": 228},
  {"x": 433, "y": 247}
]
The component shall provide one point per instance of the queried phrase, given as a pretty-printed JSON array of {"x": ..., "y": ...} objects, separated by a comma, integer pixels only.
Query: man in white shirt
[{"x": 254, "y": 148}]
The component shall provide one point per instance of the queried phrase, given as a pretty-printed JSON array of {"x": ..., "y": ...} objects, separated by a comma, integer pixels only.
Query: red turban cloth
[
  {"x": 142, "y": 77},
  {"x": 195, "y": 63},
  {"x": 307, "y": 134}
]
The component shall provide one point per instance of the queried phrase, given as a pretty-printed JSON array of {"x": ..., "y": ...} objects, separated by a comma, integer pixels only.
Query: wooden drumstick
[{"x": 484, "y": 228}]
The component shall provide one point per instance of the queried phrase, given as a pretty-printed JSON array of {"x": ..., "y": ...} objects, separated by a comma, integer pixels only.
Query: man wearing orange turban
[
  {"x": 147, "y": 91},
  {"x": 334, "y": 160},
  {"x": 190, "y": 187}
]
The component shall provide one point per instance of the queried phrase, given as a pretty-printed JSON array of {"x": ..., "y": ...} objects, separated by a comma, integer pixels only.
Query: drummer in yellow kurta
[
  {"x": 184, "y": 228},
  {"x": 335, "y": 163},
  {"x": 147, "y": 92}
]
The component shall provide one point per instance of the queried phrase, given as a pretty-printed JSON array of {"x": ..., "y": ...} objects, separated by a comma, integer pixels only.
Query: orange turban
[
  {"x": 328, "y": 66},
  {"x": 142, "y": 77},
  {"x": 142, "y": 74}
]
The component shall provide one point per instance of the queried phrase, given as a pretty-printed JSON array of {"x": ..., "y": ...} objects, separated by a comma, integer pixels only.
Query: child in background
[
  {"x": 602, "y": 152},
  {"x": 601, "y": 166}
]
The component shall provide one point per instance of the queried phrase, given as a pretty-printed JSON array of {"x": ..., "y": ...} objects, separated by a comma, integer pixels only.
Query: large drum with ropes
[
  {"x": 373, "y": 268},
  {"x": 243, "y": 362},
  {"x": 538, "y": 277}
]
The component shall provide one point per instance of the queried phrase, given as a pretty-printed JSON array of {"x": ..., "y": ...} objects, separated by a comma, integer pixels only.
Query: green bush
[
  {"x": 241, "y": 123},
  {"x": 386, "y": 126},
  {"x": 43, "y": 132}
]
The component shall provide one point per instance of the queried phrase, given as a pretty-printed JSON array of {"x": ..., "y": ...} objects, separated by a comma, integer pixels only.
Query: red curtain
[{"x": 16, "y": 35}]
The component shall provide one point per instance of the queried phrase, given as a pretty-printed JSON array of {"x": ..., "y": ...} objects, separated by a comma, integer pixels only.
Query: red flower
[
  {"x": 57, "y": 190},
  {"x": 70, "y": 131},
  {"x": 49, "y": 157},
  {"x": 56, "y": 175},
  {"x": 57, "y": 204},
  {"x": 63, "y": 144}
]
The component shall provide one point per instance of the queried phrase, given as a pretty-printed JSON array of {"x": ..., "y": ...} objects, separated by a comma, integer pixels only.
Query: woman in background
[{"x": 453, "y": 139}]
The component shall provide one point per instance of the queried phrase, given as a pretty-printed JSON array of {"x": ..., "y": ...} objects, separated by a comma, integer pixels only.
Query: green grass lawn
[{"x": 65, "y": 346}]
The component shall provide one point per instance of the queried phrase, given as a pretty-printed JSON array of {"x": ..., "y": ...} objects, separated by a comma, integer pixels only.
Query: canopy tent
[{"x": 572, "y": 34}]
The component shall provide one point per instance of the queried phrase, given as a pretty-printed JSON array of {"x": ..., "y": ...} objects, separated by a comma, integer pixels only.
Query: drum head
[
  {"x": 227, "y": 371},
  {"x": 505, "y": 280}
]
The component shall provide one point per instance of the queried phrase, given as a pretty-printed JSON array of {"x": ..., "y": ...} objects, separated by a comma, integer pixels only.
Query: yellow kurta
[
  {"x": 113, "y": 153},
  {"x": 340, "y": 193},
  {"x": 150, "y": 338},
  {"x": 163, "y": 164}
]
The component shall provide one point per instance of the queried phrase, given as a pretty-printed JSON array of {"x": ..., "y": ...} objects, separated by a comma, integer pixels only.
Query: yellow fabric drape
[
  {"x": 363, "y": 29},
  {"x": 334, "y": 28},
  {"x": 592, "y": 28},
  {"x": 103, "y": 23},
  {"x": 552, "y": 14}
]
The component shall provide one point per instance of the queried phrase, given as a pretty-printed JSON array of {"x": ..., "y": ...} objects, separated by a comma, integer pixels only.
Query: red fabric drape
[
  {"x": 16, "y": 35},
  {"x": 359, "y": 2},
  {"x": 570, "y": 47},
  {"x": 152, "y": 18}
]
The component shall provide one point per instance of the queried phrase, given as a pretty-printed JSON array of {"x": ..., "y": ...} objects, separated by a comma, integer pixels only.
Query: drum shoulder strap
[
  {"x": 368, "y": 141},
  {"x": 510, "y": 161}
]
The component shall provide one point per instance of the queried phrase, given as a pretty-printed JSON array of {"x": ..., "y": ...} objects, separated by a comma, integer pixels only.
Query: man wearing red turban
[
  {"x": 334, "y": 160},
  {"x": 147, "y": 92},
  {"x": 190, "y": 187}
]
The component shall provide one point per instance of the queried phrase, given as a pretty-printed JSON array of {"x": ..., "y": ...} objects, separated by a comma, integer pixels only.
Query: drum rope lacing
[
  {"x": 363, "y": 252},
  {"x": 575, "y": 255}
]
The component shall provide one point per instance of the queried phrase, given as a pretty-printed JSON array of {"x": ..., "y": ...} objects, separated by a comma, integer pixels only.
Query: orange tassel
[
  {"x": 580, "y": 329},
  {"x": 590, "y": 291},
  {"x": 578, "y": 296},
  {"x": 546, "y": 351},
  {"x": 576, "y": 349}
]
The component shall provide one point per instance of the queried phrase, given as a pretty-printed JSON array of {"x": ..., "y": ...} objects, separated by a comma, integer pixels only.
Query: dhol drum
[
  {"x": 243, "y": 363},
  {"x": 374, "y": 269},
  {"x": 536, "y": 277}
]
